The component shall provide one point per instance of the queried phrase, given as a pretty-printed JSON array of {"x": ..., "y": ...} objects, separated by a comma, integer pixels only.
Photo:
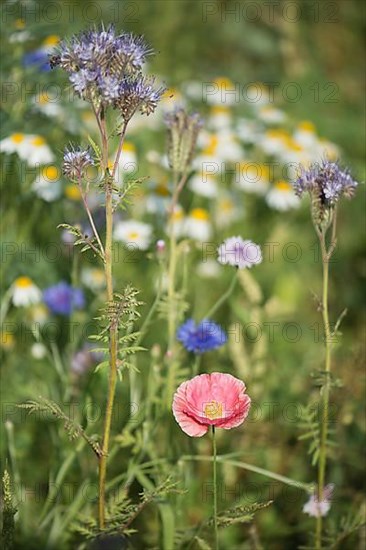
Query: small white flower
[
  {"x": 25, "y": 292},
  {"x": 271, "y": 115},
  {"x": 48, "y": 105},
  {"x": 316, "y": 508},
  {"x": 249, "y": 131},
  {"x": 31, "y": 148},
  {"x": 227, "y": 210},
  {"x": 252, "y": 177},
  {"x": 274, "y": 142},
  {"x": 305, "y": 134},
  {"x": 222, "y": 91},
  {"x": 209, "y": 269},
  {"x": 282, "y": 197},
  {"x": 237, "y": 252},
  {"x": 219, "y": 118},
  {"x": 134, "y": 233},
  {"x": 197, "y": 225},
  {"x": 176, "y": 222},
  {"x": 47, "y": 185},
  {"x": 203, "y": 184},
  {"x": 93, "y": 278},
  {"x": 38, "y": 350}
]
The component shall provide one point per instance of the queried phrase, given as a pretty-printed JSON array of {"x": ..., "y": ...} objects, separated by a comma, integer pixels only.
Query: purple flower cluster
[
  {"x": 205, "y": 336},
  {"x": 62, "y": 298},
  {"x": 76, "y": 161},
  {"x": 326, "y": 181},
  {"x": 106, "y": 68}
]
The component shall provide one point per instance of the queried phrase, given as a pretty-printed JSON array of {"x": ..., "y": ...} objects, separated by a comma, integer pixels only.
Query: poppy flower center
[{"x": 213, "y": 410}]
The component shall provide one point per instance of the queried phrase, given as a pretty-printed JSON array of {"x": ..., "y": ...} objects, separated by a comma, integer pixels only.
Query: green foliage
[
  {"x": 8, "y": 513},
  {"x": 72, "y": 429}
]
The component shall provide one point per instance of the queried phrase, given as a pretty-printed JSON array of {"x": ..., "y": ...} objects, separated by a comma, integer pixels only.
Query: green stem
[
  {"x": 324, "y": 418},
  {"x": 223, "y": 298},
  {"x": 215, "y": 487}
]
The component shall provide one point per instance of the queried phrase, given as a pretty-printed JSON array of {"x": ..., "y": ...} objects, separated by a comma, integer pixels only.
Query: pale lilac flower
[
  {"x": 316, "y": 508},
  {"x": 76, "y": 161},
  {"x": 237, "y": 252}
]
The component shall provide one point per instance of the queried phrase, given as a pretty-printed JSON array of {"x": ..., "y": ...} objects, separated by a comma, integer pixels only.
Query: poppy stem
[{"x": 215, "y": 487}]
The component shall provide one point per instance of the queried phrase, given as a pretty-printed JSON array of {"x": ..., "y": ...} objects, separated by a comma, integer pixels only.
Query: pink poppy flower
[{"x": 206, "y": 400}]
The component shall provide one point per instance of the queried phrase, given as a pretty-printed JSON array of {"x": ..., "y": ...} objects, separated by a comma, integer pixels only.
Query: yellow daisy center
[
  {"x": 17, "y": 138},
  {"x": 224, "y": 81},
  {"x": 283, "y": 186},
  {"x": 307, "y": 126},
  {"x": 19, "y": 24},
  {"x": 133, "y": 235},
  {"x": 51, "y": 40},
  {"x": 50, "y": 173},
  {"x": 72, "y": 192},
  {"x": 199, "y": 214},
  {"x": 38, "y": 141},
  {"x": 162, "y": 190},
  {"x": 23, "y": 282},
  {"x": 128, "y": 147},
  {"x": 213, "y": 410}
]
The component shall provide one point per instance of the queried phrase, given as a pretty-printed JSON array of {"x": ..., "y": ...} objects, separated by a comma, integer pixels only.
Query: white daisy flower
[
  {"x": 219, "y": 117},
  {"x": 305, "y": 135},
  {"x": 38, "y": 350},
  {"x": 209, "y": 269},
  {"x": 324, "y": 148},
  {"x": 203, "y": 184},
  {"x": 227, "y": 211},
  {"x": 176, "y": 222},
  {"x": 25, "y": 292},
  {"x": 282, "y": 196},
  {"x": 193, "y": 90},
  {"x": 48, "y": 105},
  {"x": 133, "y": 232},
  {"x": 252, "y": 177},
  {"x": 249, "y": 131},
  {"x": 221, "y": 91},
  {"x": 239, "y": 253},
  {"x": 158, "y": 200},
  {"x": 274, "y": 142},
  {"x": 93, "y": 278},
  {"x": 128, "y": 158},
  {"x": 47, "y": 185},
  {"x": 197, "y": 225},
  {"x": 257, "y": 95},
  {"x": 271, "y": 115},
  {"x": 15, "y": 143},
  {"x": 228, "y": 148}
]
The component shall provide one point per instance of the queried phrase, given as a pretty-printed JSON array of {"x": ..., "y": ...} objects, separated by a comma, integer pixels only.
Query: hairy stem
[
  {"x": 113, "y": 329},
  {"x": 325, "y": 392},
  {"x": 215, "y": 487}
]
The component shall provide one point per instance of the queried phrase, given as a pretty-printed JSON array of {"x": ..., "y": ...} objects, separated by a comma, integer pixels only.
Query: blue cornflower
[
  {"x": 76, "y": 161},
  {"x": 38, "y": 58},
  {"x": 326, "y": 182},
  {"x": 62, "y": 298},
  {"x": 205, "y": 336}
]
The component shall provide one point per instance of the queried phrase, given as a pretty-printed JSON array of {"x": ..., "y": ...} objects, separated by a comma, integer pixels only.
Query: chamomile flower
[
  {"x": 47, "y": 185},
  {"x": 197, "y": 225},
  {"x": 72, "y": 192},
  {"x": 93, "y": 278},
  {"x": 209, "y": 156},
  {"x": 282, "y": 196},
  {"x": 158, "y": 200},
  {"x": 274, "y": 141},
  {"x": 228, "y": 147},
  {"x": 252, "y": 177},
  {"x": 305, "y": 134},
  {"x": 15, "y": 143},
  {"x": 48, "y": 105},
  {"x": 35, "y": 151},
  {"x": 25, "y": 293},
  {"x": 128, "y": 158},
  {"x": 203, "y": 184},
  {"x": 249, "y": 131},
  {"x": 134, "y": 233},
  {"x": 176, "y": 222},
  {"x": 270, "y": 115},
  {"x": 221, "y": 91},
  {"x": 257, "y": 94},
  {"x": 219, "y": 117},
  {"x": 227, "y": 211}
]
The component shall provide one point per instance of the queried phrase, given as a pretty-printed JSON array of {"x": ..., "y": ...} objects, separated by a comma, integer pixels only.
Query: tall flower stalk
[
  {"x": 326, "y": 184},
  {"x": 105, "y": 69}
]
